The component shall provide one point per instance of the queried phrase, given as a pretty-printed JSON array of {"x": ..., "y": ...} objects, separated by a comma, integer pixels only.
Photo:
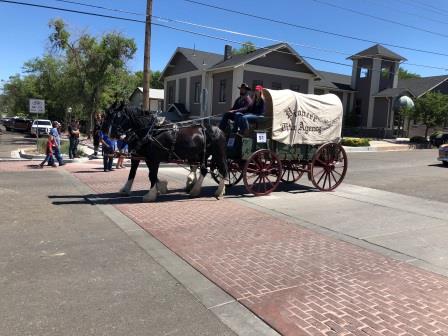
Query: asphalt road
[
  {"x": 10, "y": 141},
  {"x": 413, "y": 173}
]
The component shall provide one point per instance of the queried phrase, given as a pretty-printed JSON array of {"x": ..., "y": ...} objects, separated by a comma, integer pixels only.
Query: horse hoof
[{"x": 162, "y": 186}]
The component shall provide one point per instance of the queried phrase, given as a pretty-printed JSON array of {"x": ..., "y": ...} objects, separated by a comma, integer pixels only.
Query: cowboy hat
[{"x": 244, "y": 86}]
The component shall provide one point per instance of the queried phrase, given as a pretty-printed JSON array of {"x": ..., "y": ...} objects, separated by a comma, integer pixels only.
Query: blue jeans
[
  {"x": 49, "y": 159},
  {"x": 235, "y": 116},
  {"x": 57, "y": 155},
  {"x": 108, "y": 159},
  {"x": 243, "y": 120}
]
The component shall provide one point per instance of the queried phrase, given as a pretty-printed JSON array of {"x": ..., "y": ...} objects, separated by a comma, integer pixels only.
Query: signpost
[{"x": 37, "y": 106}]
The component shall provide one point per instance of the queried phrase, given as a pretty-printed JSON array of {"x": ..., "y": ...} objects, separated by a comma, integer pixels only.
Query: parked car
[
  {"x": 43, "y": 126},
  {"x": 438, "y": 139},
  {"x": 18, "y": 124},
  {"x": 443, "y": 155},
  {"x": 4, "y": 121}
]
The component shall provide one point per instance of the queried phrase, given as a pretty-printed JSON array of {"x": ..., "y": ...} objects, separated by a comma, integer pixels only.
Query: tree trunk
[
  {"x": 409, "y": 126},
  {"x": 426, "y": 132}
]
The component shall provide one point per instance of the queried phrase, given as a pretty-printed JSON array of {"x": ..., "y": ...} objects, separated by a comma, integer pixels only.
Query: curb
[
  {"x": 24, "y": 156},
  {"x": 382, "y": 149}
]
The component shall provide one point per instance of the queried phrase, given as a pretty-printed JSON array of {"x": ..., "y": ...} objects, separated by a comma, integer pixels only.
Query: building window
[
  {"x": 295, "y": 87},
  {"x": 197, "y": 92},
  {"x": 276, "y": 86},
  {"x": 255, "y": 83},
  {"x": 319, "y": 91},
  {"x": 171, "y": 95},
  {"x": 222, "y": 91},
  {"x": 364, "y": 73}
]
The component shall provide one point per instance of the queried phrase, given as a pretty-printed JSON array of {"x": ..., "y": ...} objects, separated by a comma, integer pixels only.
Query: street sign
[{"x": 37, "y": 106}]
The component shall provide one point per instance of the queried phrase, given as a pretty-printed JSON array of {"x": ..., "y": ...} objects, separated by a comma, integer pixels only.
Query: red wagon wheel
[
  {"x": 292, "y": 171},
  {"x": 328, "y": 167},
  {"x": 235, "y": 173},
  {"x": 262, "y": 172}
]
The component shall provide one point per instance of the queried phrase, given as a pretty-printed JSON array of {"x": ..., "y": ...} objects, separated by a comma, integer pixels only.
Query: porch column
[
  {"x": 311, "y": 86},
  {"x": 176, "y": 100},
  {"x": 187, "y": 97},
  {"x": 165, "y": 94},
  {"x": 344, "y": 104},
  {"x": 354, "y": 74},
  {"x": 238, "y": 77}
]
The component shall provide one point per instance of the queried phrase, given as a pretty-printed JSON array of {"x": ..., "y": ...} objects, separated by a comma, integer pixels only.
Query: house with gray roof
[{"x": 206, "y": 83}]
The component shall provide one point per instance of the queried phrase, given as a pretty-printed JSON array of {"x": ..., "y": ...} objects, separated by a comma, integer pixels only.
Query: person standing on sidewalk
[
  {"x": 57, "y": 139},
  {"x": 73, "y": 132},
  {"x": 96, "y": 134},
  {"x": 108, "y": 146},
  {"x": 49, "y": 152}
]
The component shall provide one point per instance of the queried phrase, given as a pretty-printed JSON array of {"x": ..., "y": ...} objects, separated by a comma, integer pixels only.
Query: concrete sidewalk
[{"x": 67, "y": 269}]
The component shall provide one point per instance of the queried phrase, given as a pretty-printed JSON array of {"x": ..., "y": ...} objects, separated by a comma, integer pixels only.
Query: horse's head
[{"x": 117, "y": 121}]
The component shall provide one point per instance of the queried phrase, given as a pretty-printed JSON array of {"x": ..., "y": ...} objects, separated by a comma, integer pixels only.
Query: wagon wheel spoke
[
  {"x": 252, "y": 170},
  {"x": 321, "y": 162},
  {"x": 319, "y": 172},
  {"x": 329, "y": 180},
  {"x": 323, "y": 173},
  {"x": 335, "y": 179},
  {"x": 325, "y": 180},
  {"x": 270, "y": 182},
  {"x": 337, "y": 173}
]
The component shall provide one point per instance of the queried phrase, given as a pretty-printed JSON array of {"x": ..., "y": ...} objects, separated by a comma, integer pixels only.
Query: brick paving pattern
[{"x": 298, "y": 281}]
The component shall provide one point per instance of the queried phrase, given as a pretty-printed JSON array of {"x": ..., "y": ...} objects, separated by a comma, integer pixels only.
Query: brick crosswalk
[{"x": 298, "y": 281}]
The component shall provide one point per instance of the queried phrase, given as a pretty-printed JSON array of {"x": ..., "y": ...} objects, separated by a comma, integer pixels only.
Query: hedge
[
  {"x": 356, "y": 142},
  {"x": 418, "y": 139}
]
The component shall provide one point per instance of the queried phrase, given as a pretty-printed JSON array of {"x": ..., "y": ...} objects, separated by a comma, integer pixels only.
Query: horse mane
[{"x": 138, "y": 117}]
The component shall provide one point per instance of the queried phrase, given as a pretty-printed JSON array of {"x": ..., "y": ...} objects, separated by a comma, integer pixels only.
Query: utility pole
[{"x": 147, "y": 61}]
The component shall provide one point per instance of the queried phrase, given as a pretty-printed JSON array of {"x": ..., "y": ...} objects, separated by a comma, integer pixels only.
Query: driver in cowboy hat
[{"x": 240, "y": 106}]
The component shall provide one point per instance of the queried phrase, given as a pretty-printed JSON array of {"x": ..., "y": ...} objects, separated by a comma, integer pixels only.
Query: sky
[{"x": 24, "y": 30}]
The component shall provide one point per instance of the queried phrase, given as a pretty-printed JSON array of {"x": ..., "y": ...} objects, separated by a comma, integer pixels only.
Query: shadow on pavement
[
  {"x": 174, "y": 195},
  {"x": 441, "y": 165}
]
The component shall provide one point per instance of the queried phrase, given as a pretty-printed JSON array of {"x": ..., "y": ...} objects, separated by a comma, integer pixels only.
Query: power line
[
  {"x": 176, "y": 29},
  {"x": 314, "y": 29},
  {"x": 322, "y": 2},
  {"x": 240, "y": 33},
  {"x": 399, "y": 10},
  {"x": 427, "y": 7}
]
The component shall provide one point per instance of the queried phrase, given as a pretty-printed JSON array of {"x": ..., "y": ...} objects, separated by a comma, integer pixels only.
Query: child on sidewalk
[
  {"x": 122, "y": 152},
  {"x": 108, "y": 146},
  {"x": 49, "y": 152}
]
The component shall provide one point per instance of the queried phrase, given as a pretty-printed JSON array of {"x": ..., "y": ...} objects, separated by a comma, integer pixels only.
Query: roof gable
[
  {"x": 419, "y": 86},
  {"x": 378, "y": 51},
  {"x": 241, "y": 59},
  {"x": 190, "y": 60}
]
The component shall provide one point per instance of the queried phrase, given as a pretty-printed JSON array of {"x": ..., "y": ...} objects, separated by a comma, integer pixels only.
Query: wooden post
[{"x": 147, "y": 59}]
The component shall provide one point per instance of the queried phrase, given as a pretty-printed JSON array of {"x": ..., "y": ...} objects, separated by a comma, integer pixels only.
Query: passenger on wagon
[
  {"x": 255, "y": 110},
  {"x": 240, "y": 106}
]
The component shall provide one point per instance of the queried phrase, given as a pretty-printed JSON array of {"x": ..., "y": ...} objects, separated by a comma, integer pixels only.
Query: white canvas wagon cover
[{"x": 304, "y": 118}]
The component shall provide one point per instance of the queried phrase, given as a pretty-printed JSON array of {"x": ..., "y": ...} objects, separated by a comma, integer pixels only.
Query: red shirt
[{"x": 50, "y": 145}]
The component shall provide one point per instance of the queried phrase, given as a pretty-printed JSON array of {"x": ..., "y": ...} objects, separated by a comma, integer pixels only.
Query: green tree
[
  {"x": 91, "y": 62},
  {"x": 405, "y": 74},
  {"x": 407, "y": 114},
  {"x": 16, "y": 94},
  {"x": 155, "y": 79},
  {"x": 431, "y": 109},
  {"x": 245, "y": 48}
]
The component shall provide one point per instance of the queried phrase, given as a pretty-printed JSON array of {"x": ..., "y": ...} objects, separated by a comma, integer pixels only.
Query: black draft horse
[{"x": 165, "y": 143}]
